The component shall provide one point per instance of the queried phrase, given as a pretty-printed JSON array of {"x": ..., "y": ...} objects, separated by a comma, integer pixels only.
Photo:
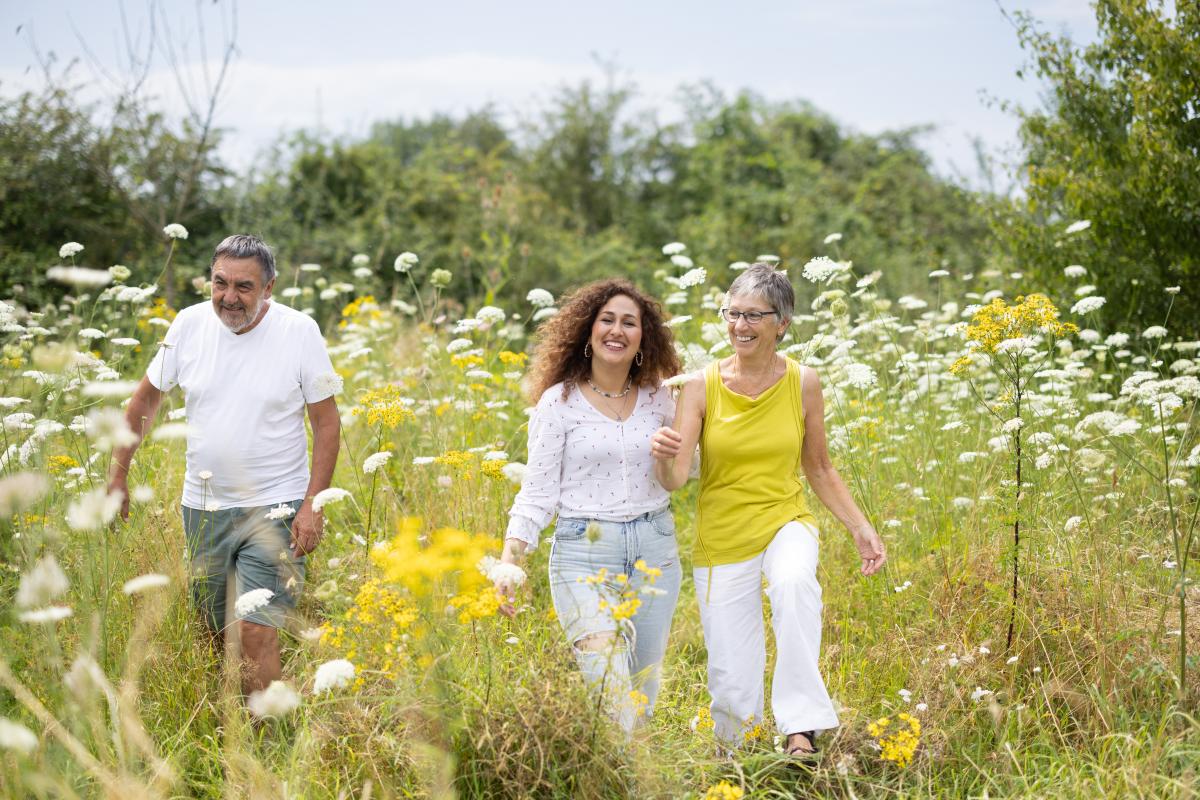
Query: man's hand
[{"x": 306, "y": 530}]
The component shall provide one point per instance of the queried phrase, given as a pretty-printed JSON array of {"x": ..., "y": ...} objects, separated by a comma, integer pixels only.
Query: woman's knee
[{"x": 600, "y": 642}]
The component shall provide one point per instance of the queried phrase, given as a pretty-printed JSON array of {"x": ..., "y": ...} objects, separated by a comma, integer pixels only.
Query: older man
[{"x": 249, "y": 369}]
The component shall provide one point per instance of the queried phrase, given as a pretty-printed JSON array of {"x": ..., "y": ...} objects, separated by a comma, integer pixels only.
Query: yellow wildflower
[
  {"x": 724, "y": 791},
  {"x": 897, "y": 744},
  {"x": 385, "y": 406}
]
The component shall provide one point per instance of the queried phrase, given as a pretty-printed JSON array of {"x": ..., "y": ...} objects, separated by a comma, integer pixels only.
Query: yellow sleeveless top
[{"x": 749, "y": 468}]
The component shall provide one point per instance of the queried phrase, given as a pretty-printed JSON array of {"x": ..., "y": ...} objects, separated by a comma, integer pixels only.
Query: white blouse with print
[{"x": 583, "y": 464}]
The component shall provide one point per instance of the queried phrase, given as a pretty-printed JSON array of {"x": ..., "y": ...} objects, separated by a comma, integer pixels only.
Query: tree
[{"x": 1118, "y": 145}]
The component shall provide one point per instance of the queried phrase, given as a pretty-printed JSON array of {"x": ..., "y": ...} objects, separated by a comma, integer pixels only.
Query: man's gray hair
[
  {"x": 770, "y": 284},
  {"x": 247, "y": 245}
]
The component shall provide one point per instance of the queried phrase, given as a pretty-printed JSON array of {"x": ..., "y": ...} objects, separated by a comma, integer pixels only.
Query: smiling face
[
  {"x": 617, "y": 332},
  {"x": 758, "y": 339},
  {"x": 238, "y": 292}
]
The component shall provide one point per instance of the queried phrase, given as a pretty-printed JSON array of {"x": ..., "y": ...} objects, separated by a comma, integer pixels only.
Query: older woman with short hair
[{"x": 759, "y": 420}]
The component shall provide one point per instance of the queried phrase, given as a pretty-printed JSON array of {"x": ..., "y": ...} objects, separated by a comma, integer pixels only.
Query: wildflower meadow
[{"x": 1034, "y": 632}]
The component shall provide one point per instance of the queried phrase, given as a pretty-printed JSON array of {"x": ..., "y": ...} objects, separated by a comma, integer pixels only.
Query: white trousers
[{"x": 730, "y": 600}]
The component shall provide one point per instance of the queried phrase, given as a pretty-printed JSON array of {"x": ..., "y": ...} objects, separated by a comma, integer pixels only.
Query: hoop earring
[
  {"x": 587, "y": 350},
  {"x": 639, "y": 358}
]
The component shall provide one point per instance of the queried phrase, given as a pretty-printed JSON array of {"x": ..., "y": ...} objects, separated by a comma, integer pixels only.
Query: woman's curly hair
[{"x": 558, "y": 355}]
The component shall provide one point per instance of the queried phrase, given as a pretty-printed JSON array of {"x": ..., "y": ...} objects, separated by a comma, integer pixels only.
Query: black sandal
[{"x": 795, "y": 750}]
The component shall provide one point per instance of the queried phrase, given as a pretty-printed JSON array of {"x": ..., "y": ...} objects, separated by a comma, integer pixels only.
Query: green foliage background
[{"x": 590, "y": 186}]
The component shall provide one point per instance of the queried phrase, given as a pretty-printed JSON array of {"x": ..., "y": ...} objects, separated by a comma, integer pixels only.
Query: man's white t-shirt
[{"x": 245, "y": 396}]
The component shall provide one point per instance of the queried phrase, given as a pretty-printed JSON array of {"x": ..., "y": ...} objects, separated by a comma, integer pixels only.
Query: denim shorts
[
  {"x": 254, "y": 550},
  {"x": 617, "y": 547}
]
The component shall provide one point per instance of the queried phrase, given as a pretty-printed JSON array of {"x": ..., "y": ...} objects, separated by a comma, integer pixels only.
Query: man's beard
[{"x": 238, "y": 319}]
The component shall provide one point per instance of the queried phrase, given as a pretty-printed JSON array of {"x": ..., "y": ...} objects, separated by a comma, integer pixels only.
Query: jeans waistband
[{"x": 649, "y": 515}]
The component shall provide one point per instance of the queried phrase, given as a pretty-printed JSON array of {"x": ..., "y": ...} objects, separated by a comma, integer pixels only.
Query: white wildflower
[
  {"x": 281, "y": 511},
  {"x": 1154, "y": 332},
  {"x": 70, "y": 249},
  {"x": 939, "y": 273},
  {"x": 420, "y": 461},
  {"x": 980, "y": 693},
  {"x": 459, "y": 345},
  {"x": 693, "y": 277},
  {"x": 406, "y": 261},
  {"x": 833, "y": 237},
  {"x": 1087, "y": 305},
  {"x": 738, "y": 266},
  {"x": 108, "y": 389},
  {"x": 330, "y": 383},
  {"x": 142, "y": 583},
  {"x": 682, "y": 261},
  {"x": 20, "y": 491},
  {"x": 768, "y": 258},
  {"x": 327, "y": 496},
  {"x": 820, "y": 269},
  {"x": 1013, "y": 425},
  {"x": 16, "y": 737},
  {"x": 44, "y": 582},
  {"x": 108, "y": 429},
  {"x": 1075, "y": 271},
  {"x": 674, "y": 248},
  {"x": 80, "y": 277},
  {"x": 47, "y": 615},
  {"x": 509, "y": 574},
  {"x": 176, "y": 231},
  {"x": 376, "y": 460},
  {"x": 94, "y": 509},
  {"x": 540, "y": 298},
  {"x": 514, "y": 471},
  {"x": 491, "y": 315},
  {"x": 860, "y": 376},
  {"x": 333, "y": 675},
  {"x": 277, "y": 700},
  {"x": 251, "y": 601},
  {"x": 171, "y": 431}
]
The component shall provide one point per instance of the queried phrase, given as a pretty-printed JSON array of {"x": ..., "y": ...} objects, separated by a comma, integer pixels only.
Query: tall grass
[{"x": 1095, "y": 696}]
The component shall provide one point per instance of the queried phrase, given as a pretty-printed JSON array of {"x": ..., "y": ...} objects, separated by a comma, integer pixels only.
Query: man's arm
[
  {"x": 139, "y": 416},
  {"x": 327, "y": 431}
]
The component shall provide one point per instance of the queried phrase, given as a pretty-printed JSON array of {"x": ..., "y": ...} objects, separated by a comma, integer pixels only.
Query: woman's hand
[
  {"x": 664, "y": 444},
  {"x": 514, "y": 549},
  {"x": 870, "y": 547}
]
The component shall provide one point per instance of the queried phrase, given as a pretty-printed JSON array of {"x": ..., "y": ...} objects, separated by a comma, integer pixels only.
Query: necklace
[
  {"x": 602, "y": 393},
  {"x": 769, "y": 373},
  {"x": 618, "y": 396}
]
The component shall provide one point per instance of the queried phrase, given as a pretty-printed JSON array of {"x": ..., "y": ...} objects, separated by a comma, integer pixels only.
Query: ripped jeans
[{"x": 618, "y": 627}]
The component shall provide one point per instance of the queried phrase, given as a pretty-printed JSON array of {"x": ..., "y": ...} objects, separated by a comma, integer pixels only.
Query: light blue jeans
[{"x": 633, "y": 661}]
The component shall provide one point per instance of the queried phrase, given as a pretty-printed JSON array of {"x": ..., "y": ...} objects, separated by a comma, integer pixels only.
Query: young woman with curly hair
[{"x": 597, "y": 382}]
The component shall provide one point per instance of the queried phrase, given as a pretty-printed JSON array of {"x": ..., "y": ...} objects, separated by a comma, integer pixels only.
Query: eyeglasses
[{"x": 752, "y": 317}]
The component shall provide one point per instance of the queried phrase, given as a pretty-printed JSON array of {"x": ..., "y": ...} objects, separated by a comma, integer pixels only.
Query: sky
[{"x": 872, "y": 65}]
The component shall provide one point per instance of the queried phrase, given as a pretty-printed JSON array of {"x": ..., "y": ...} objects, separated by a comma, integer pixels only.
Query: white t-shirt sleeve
[
  {"x": 537, "y": 502},
  {"x": 163, "y": 371},
  {"x": 317, "y": 378}
]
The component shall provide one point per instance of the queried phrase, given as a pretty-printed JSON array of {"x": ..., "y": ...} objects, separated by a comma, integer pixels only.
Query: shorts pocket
[
  {"x": 664, "y": 523},
  {"x": 567, "y": 530}
]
